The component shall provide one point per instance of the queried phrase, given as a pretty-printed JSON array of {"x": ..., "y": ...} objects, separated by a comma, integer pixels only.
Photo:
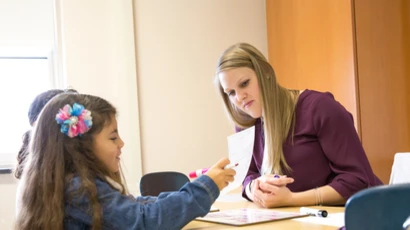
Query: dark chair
[
  {"x": 378, "y": 208},
  {"x": 152, "y": 184}
]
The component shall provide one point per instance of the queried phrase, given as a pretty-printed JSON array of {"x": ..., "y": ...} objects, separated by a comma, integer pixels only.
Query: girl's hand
[{"x": 219, "y": 175}]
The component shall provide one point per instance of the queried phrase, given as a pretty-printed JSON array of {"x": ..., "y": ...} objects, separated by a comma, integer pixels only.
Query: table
[{"x": 282, "y": 224}]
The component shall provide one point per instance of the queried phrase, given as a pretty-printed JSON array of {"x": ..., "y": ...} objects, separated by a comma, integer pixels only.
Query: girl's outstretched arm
[{"x": 171, "y": 210}]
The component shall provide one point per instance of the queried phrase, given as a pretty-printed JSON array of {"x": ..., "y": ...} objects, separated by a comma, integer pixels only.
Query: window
[{"x": 23, "y": 75}]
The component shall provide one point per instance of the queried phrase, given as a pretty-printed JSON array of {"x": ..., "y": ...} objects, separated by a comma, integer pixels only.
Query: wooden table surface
[{"x": 235, "y": 202}]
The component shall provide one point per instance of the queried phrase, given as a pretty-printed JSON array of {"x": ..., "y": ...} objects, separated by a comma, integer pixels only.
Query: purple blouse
[{"x": 326, "y": 149}]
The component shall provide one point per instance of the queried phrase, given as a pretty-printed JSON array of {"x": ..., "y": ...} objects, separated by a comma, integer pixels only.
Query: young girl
[{"x": 73, "y": 178}]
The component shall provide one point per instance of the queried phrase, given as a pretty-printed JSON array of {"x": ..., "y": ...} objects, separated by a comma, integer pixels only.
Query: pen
[
  {"x": 200, "y": 172},
  {"x": 313, "y": 212}
]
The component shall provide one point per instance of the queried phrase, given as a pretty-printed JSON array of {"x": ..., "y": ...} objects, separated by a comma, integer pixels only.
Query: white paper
[
  {"x": 333, "y": 219},
  {"x": 400, "y": 172},
  {"x": 240, "y": 148},
  {"x": 231, "y": 198}
]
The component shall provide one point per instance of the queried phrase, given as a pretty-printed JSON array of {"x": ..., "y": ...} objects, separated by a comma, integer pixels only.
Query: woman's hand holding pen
[
  {"x": 270, "y": 191},
  {"x": 220, "y": 175}
]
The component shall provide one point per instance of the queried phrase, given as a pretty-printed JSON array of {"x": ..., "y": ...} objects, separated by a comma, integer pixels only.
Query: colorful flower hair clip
[{"x": 75, "y": 120}]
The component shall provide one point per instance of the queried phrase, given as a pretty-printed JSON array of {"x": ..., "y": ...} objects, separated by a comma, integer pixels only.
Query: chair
[
  {"x": 400, "y": 172},
  {"x": 378, "y": 208},
  {"x": 152, "y": 184}
]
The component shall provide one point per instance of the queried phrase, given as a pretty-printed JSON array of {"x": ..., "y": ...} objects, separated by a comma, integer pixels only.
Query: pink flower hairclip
[{"x": 75, "y": 120}]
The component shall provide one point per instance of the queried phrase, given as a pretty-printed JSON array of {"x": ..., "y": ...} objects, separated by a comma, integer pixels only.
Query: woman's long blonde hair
[
  {"x": 55, "y": 159},
  {"x": 278, "y": 103}
]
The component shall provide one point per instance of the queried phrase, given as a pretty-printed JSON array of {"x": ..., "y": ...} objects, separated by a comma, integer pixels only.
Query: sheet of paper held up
[{"x": 240, "y": 148}]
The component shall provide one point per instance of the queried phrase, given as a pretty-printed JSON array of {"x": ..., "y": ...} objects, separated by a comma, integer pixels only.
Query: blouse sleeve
[
  {"x": 341, "y": 145},
  {"x": 252, "y": 174}
]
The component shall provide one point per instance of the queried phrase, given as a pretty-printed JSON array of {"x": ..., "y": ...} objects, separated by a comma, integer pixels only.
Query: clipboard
[{"x": 248, "y": 216}]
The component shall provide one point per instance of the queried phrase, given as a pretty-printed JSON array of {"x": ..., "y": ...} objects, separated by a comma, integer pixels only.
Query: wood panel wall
[
  {"x": 360, "y": 51},
  {"x": 383, "y": 80},
  {"x": 406, "y": 29},
  {"x": 310, "y": 45}
]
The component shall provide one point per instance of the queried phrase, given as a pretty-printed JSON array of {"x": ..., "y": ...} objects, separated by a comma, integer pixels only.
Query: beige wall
[
  {"x": 183, "y": 124},
  {"x": 26, "y": 23},
  {"x": 98, "y": 58},
  {"x": 8, "y": 188}
]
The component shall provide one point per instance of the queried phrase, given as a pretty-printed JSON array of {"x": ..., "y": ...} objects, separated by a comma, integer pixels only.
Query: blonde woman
[{"x": 306, "y": 150}]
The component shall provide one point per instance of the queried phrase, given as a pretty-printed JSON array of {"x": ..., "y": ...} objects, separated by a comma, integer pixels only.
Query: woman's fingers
[
  {"x": 281, "y": 181},
  {"x": 268, "y": 188}
]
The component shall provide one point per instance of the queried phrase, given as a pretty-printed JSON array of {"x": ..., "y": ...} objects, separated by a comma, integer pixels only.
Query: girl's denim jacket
[{"x": 170, "y": 210}]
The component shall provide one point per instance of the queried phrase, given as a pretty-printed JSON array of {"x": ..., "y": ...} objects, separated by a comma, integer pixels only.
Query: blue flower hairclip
[{"x": 75, "y": 120}]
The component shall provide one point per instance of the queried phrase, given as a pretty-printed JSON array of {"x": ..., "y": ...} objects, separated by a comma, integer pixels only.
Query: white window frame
[{"x": 56, "y": 81}]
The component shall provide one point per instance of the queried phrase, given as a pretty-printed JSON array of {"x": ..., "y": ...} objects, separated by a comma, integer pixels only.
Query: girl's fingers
[
  {"x": 230, "y": 178},
  {"x": 222, "y": 163},
  {"x": 231, "y": 172}
]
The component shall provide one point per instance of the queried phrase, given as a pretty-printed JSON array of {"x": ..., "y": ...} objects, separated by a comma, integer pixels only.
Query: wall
[
  {"x": 383, "y": 71},
  {"x": 97, "y": 41},
  {"x": 183, "y": 123},
  {"x": 358, "y": 51},
  {"x": 406, "y": 30},
  {"x": 24, "y": 23},
  {"x": 311, "y": 46}
]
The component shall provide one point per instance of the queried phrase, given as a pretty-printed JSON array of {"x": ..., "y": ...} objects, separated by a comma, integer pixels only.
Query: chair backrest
[
  {"x": 152, "y": 184},
  {"x": 377, "y": 208},
  {"x": 400, "y": 171}
]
